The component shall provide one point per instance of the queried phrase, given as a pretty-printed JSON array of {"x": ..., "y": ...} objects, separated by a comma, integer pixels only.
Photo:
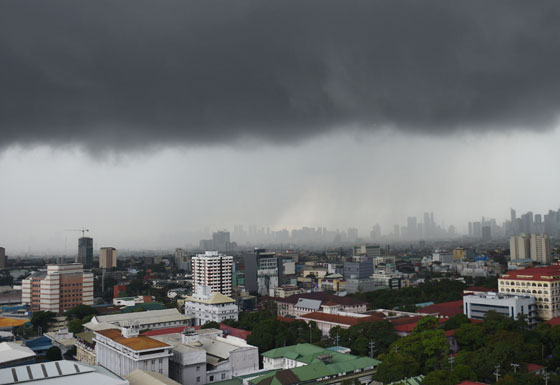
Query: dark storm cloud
[{"x": 135, "y": 73}]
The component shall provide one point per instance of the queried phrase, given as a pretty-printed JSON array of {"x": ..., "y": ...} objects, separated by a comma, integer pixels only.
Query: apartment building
[
  {"x": 107, "y": 257},
  {"x": 543, "y": 283},
  {"x": 58, "y": 288},
  {"x": 214, "y": 270},
  {"x": 512, "y": 306}
]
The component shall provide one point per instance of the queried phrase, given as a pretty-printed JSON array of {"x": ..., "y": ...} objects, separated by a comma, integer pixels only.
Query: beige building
[
  {"x": 543, "y": 283},
  {"x": 107, "y": 257},
  {"x": 519, "y": 247},
  {"x": 58, "y": 288},
  {"x": 286, "y": 291},
  {"x": 540, "y": 249}
]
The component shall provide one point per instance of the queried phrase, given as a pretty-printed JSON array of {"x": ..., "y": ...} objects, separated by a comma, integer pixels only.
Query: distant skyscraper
[
  {"x": 3, "y": 259},
  {"x": 352, "y": 234},
  {"x": 85, "y": 251},
  {"x": 375, "y": 233},
  {"x": 396, "y": 231},
  {"x": 107, "y": 257},
  {"x": 486, "y": 233},
  {"x": 221, "y": 241},
  {"x": 412, "y": 228}
]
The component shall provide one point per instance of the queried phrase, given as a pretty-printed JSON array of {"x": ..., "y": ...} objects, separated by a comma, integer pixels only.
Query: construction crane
[{"x": 82, "y": 230}]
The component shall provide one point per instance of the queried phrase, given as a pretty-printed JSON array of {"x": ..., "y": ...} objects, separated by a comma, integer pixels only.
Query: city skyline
[{"x": 282, "y": 121}]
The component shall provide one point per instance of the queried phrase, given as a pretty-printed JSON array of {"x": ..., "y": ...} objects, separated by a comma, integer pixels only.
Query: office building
[
  {"x": 207, "y": 306},
  {"x": 372, "y": 251},
  {"x": 543, "y": 283},
  {"x": 221, "y": 241},
  {"x": 268, "y": 273},
  {"x": 486, "y": 233},
  {"x": 214, "y": 270},
  {"x": 520, "y": 247},
  {"x": 85, "y": 251},
  {"x": 3, "y": 258},
  {"x": 107, "y": 257},
  {"x": 183, "y": 260},
  {"x": 540, "y": 249},
  {"x": 58, "y": 288},
  {"x": 123, "y": 350},
  {"x": 512, "y": 306}
]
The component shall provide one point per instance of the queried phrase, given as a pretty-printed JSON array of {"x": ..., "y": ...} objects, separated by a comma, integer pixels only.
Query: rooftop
[
  {"x": 135, "y": 343},
  {"x": 11, "y": 322},
  {"x": 60, "y": 373},
  {"x": 324, "y": 297},
  {"x": 339, "y": 319},
  {"x": 10, "y": 351},
  {"x": 447, "y": 309},
  {"x": 146, "y": 377},
  {"x": 214, "y": 299},
  {"x": 142, "y": 317},
  {"x": 546, "y": 273}
]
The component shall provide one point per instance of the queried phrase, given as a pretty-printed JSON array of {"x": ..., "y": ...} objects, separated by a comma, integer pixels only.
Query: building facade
[
  {"x": 206, "y": 306},
  {"x": 85, "y": 251},
  {"x": 512, "y": 306},
  {"x": 123, "y": 351},
  {"x": 58, "y": 288},
  {"x": 519, "y": 247},
  {"x": 540, "y": 249},
  {"x": 107, "y": 257},
  {"x": 214, "y": 270},
  {"x": 3, "y": 259},
  {"x": 543, "y": 283},
  {"x": 268, "y": 272}
]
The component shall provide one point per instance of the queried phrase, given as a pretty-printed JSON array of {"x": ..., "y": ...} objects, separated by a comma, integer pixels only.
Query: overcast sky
[{"x": 147, "y": 121}]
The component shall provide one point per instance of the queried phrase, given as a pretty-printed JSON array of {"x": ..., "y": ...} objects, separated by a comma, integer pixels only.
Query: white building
[
  {"x": 206, "y": 356},
  {"x": 540, "y": 249},
  {"x": 13, "y": 354},
  {"x": 151, "y": 319},
  {"x": 60, "y": 373},
  {"x": 205, "y": 306},
  {"x": 123, "y": 351},
  {"x": 476, "y": 306},
  {"x": 214, "y": 270}
]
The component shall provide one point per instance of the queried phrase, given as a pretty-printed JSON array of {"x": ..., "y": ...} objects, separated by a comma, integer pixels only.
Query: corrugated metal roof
[
  {"x": 10, "y": 351},
  {"x": 146, "y": 377},
  {"x": 306, "y": 303}
]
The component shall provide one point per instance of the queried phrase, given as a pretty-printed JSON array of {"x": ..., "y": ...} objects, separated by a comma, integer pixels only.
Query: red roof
[
  {"x": 407, "y": 324},
  {"x": 285, "y": 319},
  {"x": 478, "y": 289},
  {"x": 534, "y": 367},
  {"x": 449, "y": 333},
  {"x": 239, "y": 333},
  {"x": 467, "y": 382},
  {"x": 340, "y": 319},
  {"x": 546, "y": 273},
  {"x": 554, "y": 321},
  {"x": 447, "y": 309}
]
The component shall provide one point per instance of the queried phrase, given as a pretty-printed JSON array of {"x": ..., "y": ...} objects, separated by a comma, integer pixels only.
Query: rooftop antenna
[{"x": 83, "y": 230}]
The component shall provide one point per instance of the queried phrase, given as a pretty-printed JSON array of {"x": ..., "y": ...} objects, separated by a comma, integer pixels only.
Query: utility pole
[
  {"x": 497, "y": 373},
  {"x": 451, "y": 360},
  {"x": 514, "y": 366},
  {"x": 546, "y": 376},
  {"x": 336, "y": 339},
  {"x": 299, "y": 331},
  {"x": 371, "y": 346},
  {"x": 310, "y": 334}
]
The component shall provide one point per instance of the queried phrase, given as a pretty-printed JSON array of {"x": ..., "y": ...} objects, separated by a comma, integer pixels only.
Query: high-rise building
[
  {"x": 486, "y": 233},
  {"x": 221, "y": 241},
  {"x": 268, "y": 273},
  {"x": 60, "y": 287},
  {"x": 540, "y": 249},
  {"x": 183, "y": 259},
  {"x": 107, "y": 257},
  {"x": 85, "y": 251},
  {"x": 519, "y": 247},
  {"x": 412, "y": 228},
  {"x": 215, "y": 270},
  {"x": 3, "y": 259},
  {"x": 352, "y": 234}
]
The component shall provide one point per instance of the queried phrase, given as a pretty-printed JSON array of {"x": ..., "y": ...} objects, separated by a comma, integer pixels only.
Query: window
[
  {"x": 198, "y": 368},
  {"x": 223, "y": 376},
  {"x": 211, "y": 378},
  {"x": 198, "y": 379}
]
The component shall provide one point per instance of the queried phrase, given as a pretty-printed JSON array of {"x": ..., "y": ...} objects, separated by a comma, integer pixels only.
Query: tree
[
  {"x": 464, "y": 372},
  {"x": 54, "y": 354},
  {"x": 81, "y": 311},
  {"x": 456, "y": 321},
  {"x": 42, "y": 319},
  {"x": 210, "y": 325},
  {"x": 426, "y": 323},
  {"x": 470, "y": 336},
  {"x": 75, "y": 326},
  {"x": 440, "y": 377}
]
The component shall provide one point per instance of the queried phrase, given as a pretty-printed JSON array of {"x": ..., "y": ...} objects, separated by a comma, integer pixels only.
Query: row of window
[{"x": 523, "y": 283}]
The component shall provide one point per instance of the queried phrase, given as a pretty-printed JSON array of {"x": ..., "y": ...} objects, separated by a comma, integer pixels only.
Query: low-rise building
[
  {"x": 306, "y": 363},
  {"x": 131, "y": 301},
  {"x": 62, "y": 339},
  {"x": 85, "y": 347},
  {"x": 60, "y": 372},
  {"x": 206, "y": 356},
  {"x": 300, "y": 304},
  {"x": 332, "y": 282},
  {"x": 326, "y": 321},
  {"x": 13, "y": 354},
  {"x": 286, "y": 291},
  {"x": 124, "y": 350},
  {"x": 205, "y": 306},
  {"x": 476, "y": 306},
  {"x": 543, "y": 283},
  {"x": 151, "y": 319}
]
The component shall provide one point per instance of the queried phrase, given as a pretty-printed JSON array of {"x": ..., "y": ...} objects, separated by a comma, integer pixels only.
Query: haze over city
[{"x": 116, "y": 117}]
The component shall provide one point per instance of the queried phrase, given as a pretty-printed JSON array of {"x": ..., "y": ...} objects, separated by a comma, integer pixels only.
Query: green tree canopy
[{"x": 54, "y": 354}]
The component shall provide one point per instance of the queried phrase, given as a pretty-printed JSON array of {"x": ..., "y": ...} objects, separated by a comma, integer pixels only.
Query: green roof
[
  {"x": 145, "y": 306},
  {"x": 320, "y": 363},
  {"x": 233, "y": 381},
  {"x": 409, "y": 381},
  {"x": 86, "y": 336}
]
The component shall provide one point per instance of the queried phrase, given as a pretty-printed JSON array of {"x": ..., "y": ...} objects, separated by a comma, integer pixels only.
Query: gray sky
[{"x": 147, "y": 121}]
